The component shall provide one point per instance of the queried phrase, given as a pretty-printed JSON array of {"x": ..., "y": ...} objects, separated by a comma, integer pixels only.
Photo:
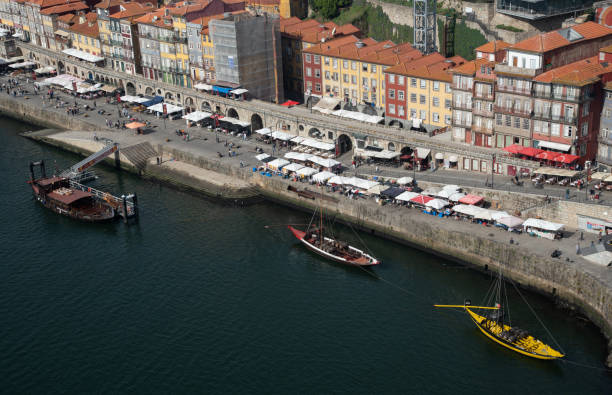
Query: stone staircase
[{"x": 139, "y": 154}]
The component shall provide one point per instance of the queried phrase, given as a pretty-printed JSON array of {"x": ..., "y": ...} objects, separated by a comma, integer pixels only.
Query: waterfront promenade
[{"x": 403, "y": 224}]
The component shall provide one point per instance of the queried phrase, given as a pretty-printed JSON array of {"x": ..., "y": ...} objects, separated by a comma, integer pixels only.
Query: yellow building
[
  {"x": 354, "y": 72},
  {"x": 85, "y": 34},
  {"x": 419, "y": 92}
]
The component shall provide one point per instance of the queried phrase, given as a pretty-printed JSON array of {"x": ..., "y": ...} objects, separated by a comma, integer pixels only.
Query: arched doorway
[
  {"x": 90, "y": 75},
  {"x": 391, "y": 147},
  {"x": 205, "y": 106},
  {"x": 149, "y": 91},
  {"x": 60, "y": 67},
  {"x": 130, "y": 89},
  {"x": 406, "y": 151},
  {"x": 169, "y": 96},
  {"x": 344, "y": 143},
  {"x": 315, "y": 133},
  {"x": 232, "y": 113},
  {"x": 256, "y": 122},
  {"x": 189, "y": 104}
]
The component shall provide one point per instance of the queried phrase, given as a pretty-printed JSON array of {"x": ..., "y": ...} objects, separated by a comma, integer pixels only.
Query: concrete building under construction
[{"x": 248, "y": 54}]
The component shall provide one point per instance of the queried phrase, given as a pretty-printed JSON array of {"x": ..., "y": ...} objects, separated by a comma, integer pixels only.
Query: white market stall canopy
[
  {"x": 22, "y": 65},
  {"x": 307, "y": 171},
  {"x": 197, "y": 116},
  {"x": 352, "y": 181},
  {"x": 323, "y": 176},
  {"x": 298, "y": 156},
  {"x": 318, "y": 144},
  {"x": 551, "y": 145},
  {"x": 264, "y": 131},
  {"x": 44, "y": 70},
  {"x": 170, "y": 108},
  {"x": 325, "y": 162},
  {"x": 437, "y": 203},
  {"x": 404, "y": 180},
  {"x": 235, "y": 121},
  {"x": 134, "y": 99},
  {"x": 552, "y": 171},
  {"x": 406, "y": 196},
  {"x": 422, "y": 153},
  {"x": 239, "y": 91},
  {"x": 541, "y": 224},
  {"x": 261, "y": 156},
  {"x": 83, "y": 55},
  {"x": 63, "y": 80},
  {"x": 384, "y": 154},
  {"x": 359, "y": 116},
  {"x": 474, "y": 211},
  {"x": 326, "y": 105},
  {"x": 281, "y": 135},
  {"x": 278, "y": 164},
  {"x": 293, "y": 167},
  {"x": 600, "y": 176},
  {"x": 298, "y": 139},
  {"x": 204, "y": 87},
  {"x": 84, "y": 87}
]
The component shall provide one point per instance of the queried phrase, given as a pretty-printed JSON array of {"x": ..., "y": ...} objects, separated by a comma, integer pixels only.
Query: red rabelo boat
[{"x": 328, "y": 247}]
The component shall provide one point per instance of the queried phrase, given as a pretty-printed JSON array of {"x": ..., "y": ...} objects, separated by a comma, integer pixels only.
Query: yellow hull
[{"x": 528, "y": 346}]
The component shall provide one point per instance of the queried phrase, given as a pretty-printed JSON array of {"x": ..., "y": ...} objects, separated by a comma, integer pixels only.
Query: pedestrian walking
[{"x": 578, "y": 249}]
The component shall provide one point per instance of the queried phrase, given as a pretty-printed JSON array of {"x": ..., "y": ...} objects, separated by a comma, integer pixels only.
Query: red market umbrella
[
  {"x": 514, "y": 149},
  {"x": 530, "y": 151},
  {"x": 421, "y": 199},
  {"x": 290, "y": 103},
  {"x": 135, "y": 125},
  {"x": 547, "y": 155},
  {"x": 566, "y": 158}
]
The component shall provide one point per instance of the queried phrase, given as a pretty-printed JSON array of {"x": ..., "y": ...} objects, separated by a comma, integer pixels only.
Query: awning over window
[
  {"x": 221, "y": 89},
  {"x": 551, "y": 145}
]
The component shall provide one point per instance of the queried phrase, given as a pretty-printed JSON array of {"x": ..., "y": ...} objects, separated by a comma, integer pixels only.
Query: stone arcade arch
[
  {"x": 130, "y": 89},
  {"x": 149, "y": 91},
  {"x": 256, "y": 122},
  {"x": 396, "y": 123},
  {"x": 344, "y": 143},
  {"x": 190, "y": 104},
  {"x": 315, "y": 133},
  {"x": 169, "y": 96},
  {"x": 205, "y": 106},
  {"x": 60, "y": 67},
  {"x": 232, "y": 113}
]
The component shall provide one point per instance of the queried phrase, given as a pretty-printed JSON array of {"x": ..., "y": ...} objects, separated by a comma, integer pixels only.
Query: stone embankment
[{"x": 577, "y": 284}]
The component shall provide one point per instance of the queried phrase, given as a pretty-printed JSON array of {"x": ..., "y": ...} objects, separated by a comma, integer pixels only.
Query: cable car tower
[{"x": 425, "y": 26}]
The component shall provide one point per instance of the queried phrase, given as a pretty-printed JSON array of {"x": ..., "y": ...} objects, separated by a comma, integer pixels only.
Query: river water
[{"x": 200, "y": 296}]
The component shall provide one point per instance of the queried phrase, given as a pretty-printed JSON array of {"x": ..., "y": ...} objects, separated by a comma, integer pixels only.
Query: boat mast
[{"x": 321, "y": 220}]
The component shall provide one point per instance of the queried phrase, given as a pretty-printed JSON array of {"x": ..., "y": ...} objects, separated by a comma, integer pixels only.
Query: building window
[
  {"x": 317, "y": 87},
  {"x": 308, "y": 58},
  {"x": 400, "y": 95},
  {"x": 353, "y": 65},
  {"x": 585, "y": 129},
  {"x": 447, "y": 103},
  {"x": 400, "y": 110},
  {"x": 413, "y": 82},
  {"x": 498, "y": 119},
  {"x": 345, "y": 64},
  {"x": 436, "y": 85},
  {"x": 447, "y": 119},
  {"x": 335, "y": 63},
  {"x": 364, "y": 67},
  {"x": 317, "y": 59},
  {"x": 326, "y": 61},
  {"x": 436, "y": 101},
  {"x": 423, "y": 84},
  {"x": 327, "y": 75},
  {"x": 317, "y": 73},
  {"x": 422, "y": 99},
  {"x": 436, "y": 117},
  {"x": 508, "y": 120},
  {"x": 413, "y": 98},
  {"x": 373, "y": 68},
  {"x": 517, "y": 122},
  {"x": 392, "y": 78},
  {"x": 412, "y": 113},
  {"x": 391, "y": 93},
  {"x": 391, "y": 108},
  {"x": 353, "y": 79},
  {"x": 525, "y": 123},
  {"x": 345, "y": 78},
  {"x": 308, "y": 72},
  {"x": 400, "y": 79},
  {"x": 423, "y": 115}
]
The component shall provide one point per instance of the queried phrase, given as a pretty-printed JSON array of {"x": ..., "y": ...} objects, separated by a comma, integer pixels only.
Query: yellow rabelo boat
[
  {"x": 492, "y": 323},
  {"x": 511, "y": 337}
]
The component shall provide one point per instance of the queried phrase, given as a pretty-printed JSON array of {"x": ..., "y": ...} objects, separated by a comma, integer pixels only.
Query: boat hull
[
  {"x": 367, "y": 261},
  {"x": 543, "y": 351},
  {"x": 103, "y": 213}
]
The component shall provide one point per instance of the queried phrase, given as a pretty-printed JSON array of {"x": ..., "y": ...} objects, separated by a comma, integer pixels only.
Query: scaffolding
[{"x": 425, "y": 26}]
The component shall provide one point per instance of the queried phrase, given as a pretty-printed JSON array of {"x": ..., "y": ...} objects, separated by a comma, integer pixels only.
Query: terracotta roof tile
[
  {"x": 88, "y": 28},
  {"x": 552, "y": 40},
  {"x": 105, "y": 4},
  {"x": 493, "y": 46},
  {"x": 607, "y": 49},
  {"x": 128, "y": 10},
  {"x": 579, "y": 73},
  {"x": 64, "y": 8}
]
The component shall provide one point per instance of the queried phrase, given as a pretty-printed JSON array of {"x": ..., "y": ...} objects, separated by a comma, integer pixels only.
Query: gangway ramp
[{"x": 74, "y": 170}]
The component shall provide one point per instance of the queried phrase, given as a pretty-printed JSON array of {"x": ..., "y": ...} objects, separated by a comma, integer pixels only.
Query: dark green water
[{"x": 200, "y": 297}]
